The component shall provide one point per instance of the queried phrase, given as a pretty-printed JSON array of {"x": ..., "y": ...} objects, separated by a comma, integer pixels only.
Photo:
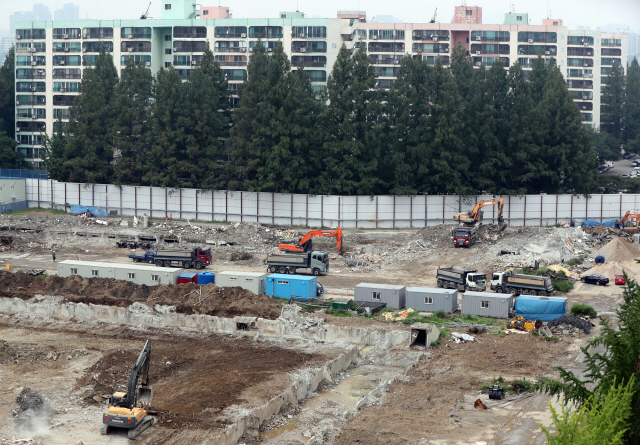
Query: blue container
[
  {"x": 301, "y": 288},
  {"x": 540, "y": 308},
  {"x": 206, "y": 278}
]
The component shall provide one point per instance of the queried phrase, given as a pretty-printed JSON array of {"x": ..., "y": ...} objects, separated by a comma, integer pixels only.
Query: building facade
[{"x": 51, "y": 56}]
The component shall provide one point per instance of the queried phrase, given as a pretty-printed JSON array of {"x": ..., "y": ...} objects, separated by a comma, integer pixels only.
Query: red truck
[{"x": 463, "y": 236}]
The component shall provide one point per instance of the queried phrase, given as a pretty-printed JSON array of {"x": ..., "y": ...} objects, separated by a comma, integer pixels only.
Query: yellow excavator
[
  {"x": 129, "y": 410},
  {"x": 474, "y": 216}
]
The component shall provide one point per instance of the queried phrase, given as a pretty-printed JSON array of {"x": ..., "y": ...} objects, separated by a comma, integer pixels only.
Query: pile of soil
[
  {"x": 7, "y": 353},
  {"x": 619, "y": 250},
  {"x": 220, "y": 302}
]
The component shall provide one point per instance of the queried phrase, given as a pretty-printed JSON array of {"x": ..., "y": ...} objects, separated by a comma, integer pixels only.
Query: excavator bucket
[
  {"x": 501, "y": 226},
  {"x": 145, "y": 395}
]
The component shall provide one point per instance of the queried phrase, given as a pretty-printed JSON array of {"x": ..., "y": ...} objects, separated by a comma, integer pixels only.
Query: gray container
[
  {"x": 138, "y": 274},
  {"x": 487, "y": 304},
  {"x": 432, "y": 300},
  {"x": 253, "y": 281},
  {"x": 392, "y": 294}
]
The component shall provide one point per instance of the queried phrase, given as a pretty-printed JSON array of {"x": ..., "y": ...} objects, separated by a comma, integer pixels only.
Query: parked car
[
  {"x": 595, "y": 278},
  {"x": 609, "y": 164},
  {"x": 628, "y": 156},
  {"x": 635, "y": 163},
  {"x": 620, "y": 279},
  {"x": 625, "y": 176}
]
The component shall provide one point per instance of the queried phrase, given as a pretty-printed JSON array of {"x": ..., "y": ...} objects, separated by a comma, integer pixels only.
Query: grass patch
[
  {"x": 339, "y": 313},
  {"x": 581, "y": 310},
  {"x": 574, "y": 261},
  {"x": 522, "y": 385},
  {"x": 37, "y": 210},
  {"x": 441, "y": 314}
]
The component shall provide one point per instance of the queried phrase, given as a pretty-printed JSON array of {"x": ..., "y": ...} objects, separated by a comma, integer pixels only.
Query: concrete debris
[
  {"x": 33, "y": 413},
  {"x": 569, "y": 325},
  {"x": 458, "y": 337}
]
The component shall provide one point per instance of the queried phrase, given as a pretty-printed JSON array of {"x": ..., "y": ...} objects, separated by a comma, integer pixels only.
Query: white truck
[
  {"x": 520, "y": 284},
  {"x": 461, "y": 279}
]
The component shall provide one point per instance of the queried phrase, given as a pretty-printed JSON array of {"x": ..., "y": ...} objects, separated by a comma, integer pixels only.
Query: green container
[{"x": 341, "y": 305}]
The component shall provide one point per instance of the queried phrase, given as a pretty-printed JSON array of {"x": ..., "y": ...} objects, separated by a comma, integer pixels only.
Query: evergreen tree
[
  {"x": 612, "y": 103},
  {"x": 8, "y": 94},
  {"x": 350, "y": 120},
  {"x": 606, "y": 146},
  {"x": 132, "y": 125},
  {"x": 163, "y": 167},
  {"x": 53, "y": 151},
  {"x": 89, "y": 152},
  {"x": 404, "y": 165},
  {"x": 9, "y": 158},
  {"x": 632, "y": 108},
  {"x": 566, "y": 146},
  {"x": 242, "y": 144},
  {"x": 538, "y": 78}
]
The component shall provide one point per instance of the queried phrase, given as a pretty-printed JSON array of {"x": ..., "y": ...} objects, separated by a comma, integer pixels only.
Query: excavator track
[{"x": 147, "y": 422}]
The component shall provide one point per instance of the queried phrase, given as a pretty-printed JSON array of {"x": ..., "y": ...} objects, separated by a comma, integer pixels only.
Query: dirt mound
[
  {"x": 573, "y": 321},
  {"x": 220, "y": 302},
  {"x": 7, "y": 353},
  {"x": 619, "y": 250}
]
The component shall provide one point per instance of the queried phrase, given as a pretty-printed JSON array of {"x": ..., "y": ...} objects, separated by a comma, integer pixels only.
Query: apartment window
[
  {"x": 167, "y": 64},
  {"x": 428, "y": 300},
  {"x": 154, "y": 278},
  {"x": 469, "y": 12},
  {"x": 167, "y": 6},
  {"x": 555, "y": 23},
  {"x": 282, "y": 282},
  {"x": 375, "y": 295},
  {"x": 167, "y": 50},
  {"x": 94, "y": 273},
  {"x": 74, "y": 271},
  {"x": 167, "y": 37},
  {"x": 132, "y": 276},
  {"x": 205, "y": 12},
  {"x": 519, "y": 18},
  {"x": 484, "y": 304}
]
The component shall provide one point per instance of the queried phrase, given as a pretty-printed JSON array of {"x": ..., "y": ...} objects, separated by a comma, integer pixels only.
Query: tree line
[{"x": 437, "y": 129}]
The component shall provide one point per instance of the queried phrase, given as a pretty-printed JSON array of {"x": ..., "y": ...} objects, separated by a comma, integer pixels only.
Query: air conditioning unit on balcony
[
  {"x": 250, "y": 50},
  {"x": 478, "y": 38},
  {"x": 243, "y": 49},
  {"x": 302, "y": 36},
  {"x": 478, "y": 52},
  {"x": 63, "y": 90},
  {"x": 17, "y": 102},
  {"x": 130, "y": 36},
  {"x": 18, "y": 37},
  {"x": 130, "y": 50},
  {"x": 175, "y": 50},
  {"x": 435, "y": 39},
  {"x": 84, "y": 36},
  {"x": 84, "y": 50},
  {"x": 243, "y": 35},
  {"x": 546, "y": 53},
  {"x": 66, "y": 50},
  {"x": 584, "y": 107},
  {"x": 33, "y": 50},
  {"x": 303, "y": 50},
  {"x": 585, "y": 97},
  {"x": 374, "y": 37},
  {"x": 478, "y": 63},
  {"x": 33, "y": 63},
  {"x": 588, "y": 75},
  {"x": 396, "y": 62},
  {"x": 193, "y": 62},
  {"x": 588, "y": 53},
  {"x": 269, "y": 50},
  {"x": 530, "y": 41},
  {"x": 147, "y": 64},
  {"x": 66, "y": 36},
  {"x": 62, "y": 62}
]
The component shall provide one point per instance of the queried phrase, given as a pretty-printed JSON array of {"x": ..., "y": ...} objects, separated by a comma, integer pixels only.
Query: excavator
[
  {"x": 129, "y": 410},
  {"x": 634, "y": 225},
  {"x": 305, "y": 243},
  {"x": 474, "y": 216}
]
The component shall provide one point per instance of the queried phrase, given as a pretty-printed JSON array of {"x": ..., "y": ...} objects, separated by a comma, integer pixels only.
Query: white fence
[{"x": 322, "y": 210}]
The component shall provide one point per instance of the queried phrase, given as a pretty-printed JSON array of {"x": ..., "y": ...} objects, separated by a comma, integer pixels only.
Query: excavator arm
[
  {"x": 473, "y": 216},
  {"x": 305, "y": 244}
]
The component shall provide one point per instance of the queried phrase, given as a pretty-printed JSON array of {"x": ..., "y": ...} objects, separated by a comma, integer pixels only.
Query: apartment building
[{"x": 51, "y": 56}]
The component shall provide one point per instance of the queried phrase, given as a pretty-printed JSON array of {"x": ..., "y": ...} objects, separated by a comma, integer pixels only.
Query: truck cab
[
  {"x": 463, "y": 236},
  {"x": 148, "y": 257},
  {"x": 320, "y": 260},
  {"x": 476, "y": 281},
  {"x": 497, "y": 280}
]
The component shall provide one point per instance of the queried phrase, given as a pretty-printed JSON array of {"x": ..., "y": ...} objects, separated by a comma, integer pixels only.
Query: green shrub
[
  {"x": 523, "y": 385},
  {"x": 441, "y": 314},
  {"x": 563, "y": 286},
  {"x": 581, "y": 309},
  {"x": 534, "y": 333},
  {"x": 353, "y": 305}
]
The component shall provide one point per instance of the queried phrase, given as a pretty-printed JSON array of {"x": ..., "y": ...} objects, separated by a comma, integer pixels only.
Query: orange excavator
[
  {"x": 305, "y": 243},
  {"x": 634, "y": 224},
  {"x": 474, "y": 216}
]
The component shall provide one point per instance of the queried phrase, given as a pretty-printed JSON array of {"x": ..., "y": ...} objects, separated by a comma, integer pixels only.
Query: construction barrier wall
[{"x": 323, "y": 210}]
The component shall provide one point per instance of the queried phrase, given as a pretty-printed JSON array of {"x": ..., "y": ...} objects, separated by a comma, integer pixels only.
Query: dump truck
[
  {"x": 316, "y": 262},
  {"x": 520, "y": 284},
  {"x": 464, "y": 236},
  {"x": 461, "y": 279},
  {"x": 198, "y": 257}
]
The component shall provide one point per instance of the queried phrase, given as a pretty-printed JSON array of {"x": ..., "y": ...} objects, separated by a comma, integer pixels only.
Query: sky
[{"x": 591, "y": 13}]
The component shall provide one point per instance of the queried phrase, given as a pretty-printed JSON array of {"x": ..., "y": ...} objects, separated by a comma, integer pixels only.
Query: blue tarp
[
  {"x": 588, "y": 222},
  {"x": 540, "y": 308},
  {"x": 94, "y": 211}
]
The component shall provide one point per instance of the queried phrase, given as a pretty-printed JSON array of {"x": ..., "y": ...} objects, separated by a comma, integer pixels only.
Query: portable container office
[
  {"x": 253, "y": 281},
  {"x": 300, "y": 287},
  {"x": 392, "y": 294},
  {"x": 206, "y": 278},
  {"x": 139, "y": 274},
  {"x": 540, "y": 308},
  {"x": 487, "y": 304},
  {"x": 187, "y": 277},
  {"x": 432, "y": 300}
]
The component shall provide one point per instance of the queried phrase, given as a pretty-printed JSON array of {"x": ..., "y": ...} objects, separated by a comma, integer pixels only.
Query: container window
[
  {"x": 282, "y": 282},
  {"x": 248, "y": 279},
  {"x": 233, "y": 279},
  {"x": 74, "y": 271},
  {"x": 94, "y": 273},
  {"x": 132, "y": 276},
  {"x": 154, "y": 277},
  {"x": 428, "y": 300},
  {"x": 484, "y": 304},
  {"x": 375, "y": 296}
]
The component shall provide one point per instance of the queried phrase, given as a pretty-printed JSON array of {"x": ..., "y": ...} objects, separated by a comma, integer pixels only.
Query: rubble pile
[
  {"x": 33, "y": 413},
  {"x": 570, "y": 325}
]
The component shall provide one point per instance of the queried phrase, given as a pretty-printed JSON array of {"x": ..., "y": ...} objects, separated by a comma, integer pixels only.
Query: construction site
[{"x": 230, "y": 366}]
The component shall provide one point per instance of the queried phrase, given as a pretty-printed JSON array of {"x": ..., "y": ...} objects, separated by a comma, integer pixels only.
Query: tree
[
  {"x": 242, "y": 145},
  {"x": 603, "y": 418},
  {"x": 538, "y": 78},
  {"x": 350, "y": 122},
  {"x": 617, "y": 364},
  {"x": 9, "y": 158},
  {"x": 612, "y": 103},
  {"x": 132, "y": 123},
  {"x": 8, "y": 94},
  {"x": 605, "y": 145},
  {"x": 89, "y": 152},
  {"x": 632, "y": 107},
  {"x": 53, "y": 150}
]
